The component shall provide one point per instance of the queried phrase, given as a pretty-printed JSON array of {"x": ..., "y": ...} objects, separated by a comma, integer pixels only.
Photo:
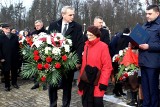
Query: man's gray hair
[
  {"x": 98, "y": 17},
  {"x": 38, "y": 21},
  {"x": 64, "y": 9}
]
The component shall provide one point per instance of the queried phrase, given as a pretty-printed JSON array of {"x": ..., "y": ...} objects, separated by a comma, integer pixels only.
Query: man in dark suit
[
  {"x": 149, "y": 58},
  {"x": 67, "y": 26},
  {"x": 9, "y": 56}
]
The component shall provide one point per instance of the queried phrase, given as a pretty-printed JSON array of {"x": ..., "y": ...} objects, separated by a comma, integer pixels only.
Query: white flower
[
  {"x": 67, "y": 48},
  {"x": 56, "y": 51},
  {"x": 24, "y": 52},
  {"x": 69, "y": 41},
  {"x": 121, "y": 53},
  {"x": 47, "y": 49}
]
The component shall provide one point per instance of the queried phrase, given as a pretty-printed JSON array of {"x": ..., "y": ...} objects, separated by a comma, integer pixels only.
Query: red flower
[
  {"x": 120, "y": 78},
  {"x": 36, "y": 57},
  {"x": 57, "y": 65},
  {"x": 125, "y": 74},
  {"x": 117, "y": 59},
  {"x": 46, "y": 66},
  {"x": 43, "y": 78},
  {"x": 64, "y": 57},
  {"x": 48, "y": 59},
  {"x": 39, "y": 66},
  {"x": 36, "y": 52}
]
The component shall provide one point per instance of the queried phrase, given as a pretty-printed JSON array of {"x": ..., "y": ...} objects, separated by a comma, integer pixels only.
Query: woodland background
[{"x": 117, "y": 14}]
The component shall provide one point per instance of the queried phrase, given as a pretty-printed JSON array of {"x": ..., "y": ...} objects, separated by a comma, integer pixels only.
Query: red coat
[{"x": 98, "y": 55}]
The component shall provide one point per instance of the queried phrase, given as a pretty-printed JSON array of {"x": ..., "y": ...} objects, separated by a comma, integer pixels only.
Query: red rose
[
  {"x": 125, "y": 74},
  {"x": 43, "y": 78},
  {"x": 36, "y": 57},
  {"x": 48, "y": 59},
  {"x": 46, "y": 66},
  {"x": 64, "y": 57},
  {"x": 57, "y": 65},
  {"x": 39, "y": 66},
  {"x": 36, "y": 52},
  {"x": 120, "y": 78}
]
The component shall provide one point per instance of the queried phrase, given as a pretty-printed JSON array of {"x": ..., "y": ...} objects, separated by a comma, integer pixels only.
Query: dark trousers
[
  {"x": 13, "y": 77},
  {"x": 150, "y": 82},
  {"x": 67, "y": 88},
  {"x": 97, "y": 102}
]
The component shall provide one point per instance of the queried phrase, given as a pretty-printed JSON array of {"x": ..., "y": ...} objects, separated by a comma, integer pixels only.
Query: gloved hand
[{"x": 102, "y": 87}]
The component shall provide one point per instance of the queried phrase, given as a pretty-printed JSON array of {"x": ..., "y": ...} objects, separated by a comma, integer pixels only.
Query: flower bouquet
[
  {"x": 128, "y": 63},
  {"x": 49, "y": 58}
]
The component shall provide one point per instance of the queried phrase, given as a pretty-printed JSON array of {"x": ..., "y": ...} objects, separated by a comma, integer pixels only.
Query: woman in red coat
[{"x": 96, "y": 60}]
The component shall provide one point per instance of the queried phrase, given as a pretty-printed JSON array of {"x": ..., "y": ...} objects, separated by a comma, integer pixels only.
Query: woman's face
[{"x": 91, "y": 36}]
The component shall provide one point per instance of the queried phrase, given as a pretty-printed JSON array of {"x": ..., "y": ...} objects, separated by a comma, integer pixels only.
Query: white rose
[
  {"x": 69, "y": 41},
  {"x": 67, "y": 48},
  {"x": 47, "y": 49},
  {"x": 56, "y": 51}
]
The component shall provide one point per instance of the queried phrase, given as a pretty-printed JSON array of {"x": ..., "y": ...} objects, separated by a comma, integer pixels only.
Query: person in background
[
  {"x": 97, "y": 65},
  {"x": 149, "y": 58},
  {"x": 39, "y": 27},
  {"x": 9, "y": 56},
  {"x": 104, "y": 37},
  {"x": 119, "y": 42},
  {"x": 68, "y": 27}
]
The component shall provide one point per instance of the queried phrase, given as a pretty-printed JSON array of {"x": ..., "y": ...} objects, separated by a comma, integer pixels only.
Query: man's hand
[
  {"x": 144, "y": 46},
  {"x": 78, "y": 66},
  {"x": 2, "y": 60}
]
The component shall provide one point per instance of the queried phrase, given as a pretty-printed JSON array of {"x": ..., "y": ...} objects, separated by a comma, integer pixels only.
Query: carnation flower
[
  {"x": 46, "y": 66},
  {"x": 64, "y": 57},
  {"x": 36, "y": 57},
  {"x": 48, "y": 59},
  {"x": 39, "y": 66},
  {"x": 57, "y": 65},
  {"x": 43, "y": 78}
]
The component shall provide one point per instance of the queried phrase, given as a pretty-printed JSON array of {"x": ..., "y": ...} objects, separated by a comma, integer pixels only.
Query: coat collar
[
  {"x": 156, "y": 21},
  {"x": 92, "y": 43},
  {"x": 70, "y": 27}
]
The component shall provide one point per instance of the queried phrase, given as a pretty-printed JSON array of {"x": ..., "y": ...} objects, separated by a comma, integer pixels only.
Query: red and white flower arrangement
[
  {"x": 128, "y": 63},
  {"x": 49, "y": 57}
]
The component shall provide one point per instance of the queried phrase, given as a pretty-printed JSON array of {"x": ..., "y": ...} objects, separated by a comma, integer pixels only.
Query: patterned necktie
[{"x": 64, "y": 29}]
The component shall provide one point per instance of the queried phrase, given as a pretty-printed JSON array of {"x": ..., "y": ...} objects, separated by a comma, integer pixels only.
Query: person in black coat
[
  {"x": 39, "y": 27},
  {"x": 104, "y": 37},
  {"x": 67, "y": 26},
  {"x": 9, "y": 56}
]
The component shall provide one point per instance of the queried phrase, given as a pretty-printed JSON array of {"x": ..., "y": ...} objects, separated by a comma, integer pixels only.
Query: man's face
[
  {"x": 151, "y": 15},
  {"x": 6, "y": 30},
  {"x": 38, "y": 25},
  {"x": 68, "y": 16},
  {"x": 98, "y": 23}
]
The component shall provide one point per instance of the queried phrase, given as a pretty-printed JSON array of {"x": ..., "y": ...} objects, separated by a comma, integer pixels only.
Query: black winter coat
[{"x": 9, "y": 50}]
